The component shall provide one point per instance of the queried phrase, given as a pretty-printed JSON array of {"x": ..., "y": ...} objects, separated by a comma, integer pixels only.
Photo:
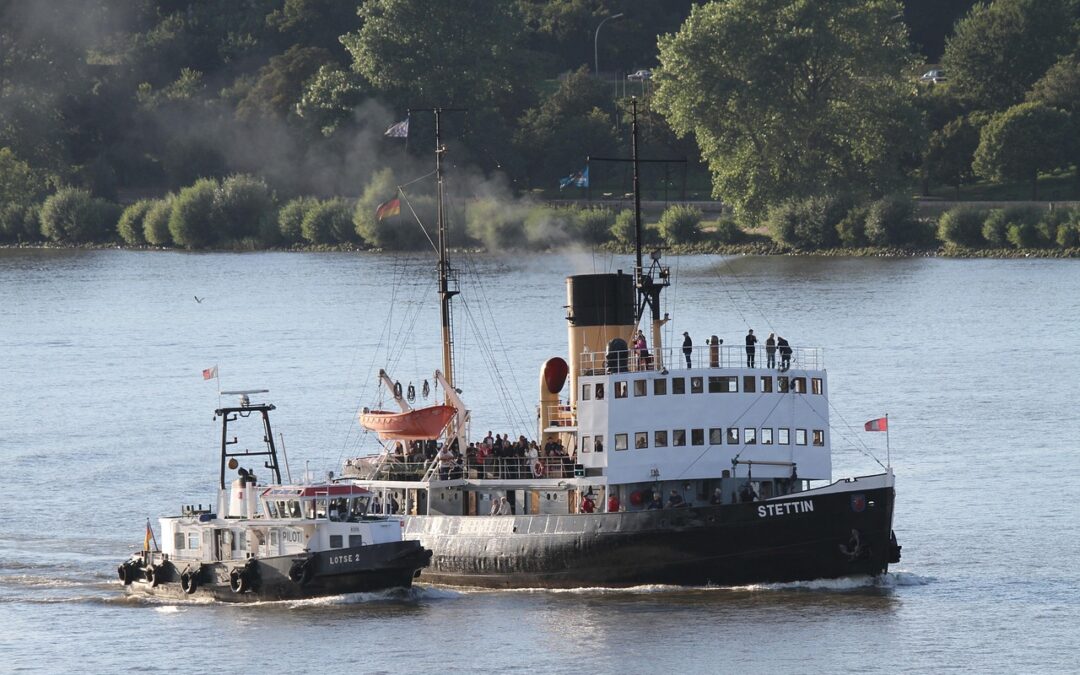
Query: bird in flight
[{"x": 199, "y": 300}]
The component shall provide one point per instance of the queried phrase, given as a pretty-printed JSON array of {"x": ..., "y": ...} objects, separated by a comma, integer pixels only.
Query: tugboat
[
  {"x": 689, "y": 466},
  {"x": 273, "y": 541}
]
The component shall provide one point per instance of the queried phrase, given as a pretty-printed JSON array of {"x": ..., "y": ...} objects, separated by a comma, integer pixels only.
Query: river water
[{"x": 105, "y": 421}]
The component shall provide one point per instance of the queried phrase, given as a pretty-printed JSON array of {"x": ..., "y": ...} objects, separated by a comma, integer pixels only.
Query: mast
[
  {"x": 445, "y": 293},
  {"x": 637, "y": 191}
]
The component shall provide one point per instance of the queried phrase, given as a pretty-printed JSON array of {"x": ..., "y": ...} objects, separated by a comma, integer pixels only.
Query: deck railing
[{"x": 701, "y": 357}]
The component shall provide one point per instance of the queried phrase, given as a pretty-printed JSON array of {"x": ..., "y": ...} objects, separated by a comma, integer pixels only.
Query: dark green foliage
[
  {"x": 807, "y": 223},
  {"x": 962, "y": 226},
  {"x": 246, "y": 207},
  {"x": 680, "y": 224},
  {"x": 196, "y": 221},
  {"x": 993, "y": 229},
  {"x": 950, "y": 152},
  {"x": 852, "y": 227},
  {"x": 19, "y": 223},
  {"x": 130, "y": 227},
  {"x": 1068, "y": 233},
  {"x": 1021, "y": 226},
  {"x": 280, "y": 83},
  {"x": 19, "y": 183},
  {"x": 728, "y": 231},
  {"x": 291, "y": 216},
  {"x": 891, "y": 222},
  {"x": 594, "y": 225},
  {"x": 74, "y": 215},
  {"x": 1022, "y": 141},
  {"x": 329, "y": 222},
  {"x": 156, "y": 222}
]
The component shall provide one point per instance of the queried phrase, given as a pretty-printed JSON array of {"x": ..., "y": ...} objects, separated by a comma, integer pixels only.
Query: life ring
[
  {"x": 397, "y": 390},
  {"x": 124, "y": 571},
  {"x": 538, "y": 469},
  {"x": 189, "y": 581},
  {"x": 301, "y": 571},
  {"x": 152, "y": 574}
]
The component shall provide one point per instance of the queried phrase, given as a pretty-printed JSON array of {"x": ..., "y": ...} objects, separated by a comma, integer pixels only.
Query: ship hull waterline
[
  {"x": 797, "y": 538},
  {"x": 359, "y": 569}
]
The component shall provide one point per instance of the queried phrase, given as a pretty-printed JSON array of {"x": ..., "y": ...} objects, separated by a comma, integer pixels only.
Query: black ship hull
[
  {"x": 360, "y": 569},
  {"x": 800, "y": 537}
]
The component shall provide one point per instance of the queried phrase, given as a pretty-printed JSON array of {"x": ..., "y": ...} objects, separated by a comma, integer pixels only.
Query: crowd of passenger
[{"x": 495, "y": 456}]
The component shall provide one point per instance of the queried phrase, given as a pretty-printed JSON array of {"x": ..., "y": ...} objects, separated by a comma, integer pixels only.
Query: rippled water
[{"x": 106, "y": 421}]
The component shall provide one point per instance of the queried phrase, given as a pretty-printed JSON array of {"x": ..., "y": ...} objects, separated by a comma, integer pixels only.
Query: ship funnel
[{"x": 600, "y": 308}]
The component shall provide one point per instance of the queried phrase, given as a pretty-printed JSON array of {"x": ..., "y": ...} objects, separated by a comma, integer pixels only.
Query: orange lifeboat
[{"x": 415, "y": 425}]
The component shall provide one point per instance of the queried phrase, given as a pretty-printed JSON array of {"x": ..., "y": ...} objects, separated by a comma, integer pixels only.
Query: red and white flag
[
  {"x": 209, "y": 373},
  {"x": 880, "y": 424}
]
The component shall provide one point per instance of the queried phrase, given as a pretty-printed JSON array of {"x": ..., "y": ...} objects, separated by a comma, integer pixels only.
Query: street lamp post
[{"x": 596, "y": 42}]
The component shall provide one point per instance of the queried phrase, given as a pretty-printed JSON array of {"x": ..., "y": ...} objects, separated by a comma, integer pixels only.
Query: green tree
[
  {"x": 680, "y": 224},
  {"x": 329, "y": 222},
  {"x": 790, "y": 98},
  {"x": 950, "y": 151},
  {"x": 130, "y": 227},
  {"x": 809, "y": 223},
  {"x": 246, "y": 206},
  {"x": 195, "y": 221},
  {"x": 1001, "y": 48},
  {"x": 962, "y": 226},
  {"x": 1060, "y": 88},
  {"x": 891, "y": 221},
  {"x": 74, "y": 215},
  {"x": 19, "y": 184},
  {"x": 156, "y": 222},
  {"x": 291, "y": 217},
  {"x": 1022, "y": 141},
  {"x": 330, "y": 98},
  {"x": 280, "y": 83}
]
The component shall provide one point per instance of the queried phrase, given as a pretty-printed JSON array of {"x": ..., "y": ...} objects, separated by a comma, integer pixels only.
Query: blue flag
[{"x": 579, "y": 179}]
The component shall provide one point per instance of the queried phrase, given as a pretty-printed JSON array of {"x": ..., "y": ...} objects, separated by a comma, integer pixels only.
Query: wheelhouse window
[
  {"x": 660, "y": 439},
  {"x": 766, "y": 436},
  {"x": 586, "y": 392},
  {"x": 678, "y": 385},
  {"x": 641, "y": 440},
  {"x": 819, "y": 437},
  {"x": 697, "y": 437},
  {"x": 336, "y": 541},
  {"x": 748, "y": 383},
  {"x": 750, "y": 436},
  {"x": 620, "y": 389},
  {"x": 599, "y": 391},
  {"x": 178, "y": 540},
  {"x": 782, "y": 385},
  {"x": 800, "y": 437},
  {"x": 716, "y": 436},
  {"x": 640, "y": 388},
  {"x": 697, "y": 385},
  {"x": 678, "y": 437},
  {"x": 798, "y": 385},
  {"x": 816, "y": 386},
  {"x": 586, "y": 446},
  {"x": 620, "y": 442},
  {"x": 766, "y": 384},
  {"x": 356, "y": 540},
  {"x": 783, "y": 436},
  {"x": 659, "y": 386},
  {"x": 193, "y": 540},
  {"x": 733, "y": 436},
  {"x": 294, "y": 508},
  {"x": 271, "y": 509}
]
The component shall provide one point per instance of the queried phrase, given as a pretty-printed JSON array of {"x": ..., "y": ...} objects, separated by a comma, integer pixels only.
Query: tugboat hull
[
  {"x": 346, "y": 570},
  {"x": 799, "y": 537}
]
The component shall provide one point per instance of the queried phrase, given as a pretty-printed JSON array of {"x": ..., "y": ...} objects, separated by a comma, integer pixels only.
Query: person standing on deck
[
  {"x": 687, "y": 348},
  {"x": 770, "y": 351},
  {"x": 751, "y": 348},
  {"x": 785, "y": 353}
]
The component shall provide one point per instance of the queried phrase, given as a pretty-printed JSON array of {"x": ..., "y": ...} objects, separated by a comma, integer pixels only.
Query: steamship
[
  {"x": 272, "y": 541},
  {"x": 682, "y": 466}
]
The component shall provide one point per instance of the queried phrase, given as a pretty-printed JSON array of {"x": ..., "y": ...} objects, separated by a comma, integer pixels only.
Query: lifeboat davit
[{"x": 415, "y": 425}]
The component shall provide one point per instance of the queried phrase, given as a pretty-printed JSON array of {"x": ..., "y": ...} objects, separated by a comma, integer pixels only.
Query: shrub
[
  {"x": 852, "y": 228},
  {"x": 1021, "y": 229},
  {"x": 622, "y": 230},
  {"x": 329, "y": 222},
  {"x": 399, "y": 232},
  {"x": 728, "y": 231},
  {"x": 20, "y": 223},
  {"x": 993, "y": 229},
  {"x": 680, "y": 224},
  {"x": 195, "y": 221},
  {"x": 1050, "y": 221},
  {"x": 1068, "y": 234},
  {"x": 807, "y": 223},
  {"x": 291, "y": 216},
  {"x": 962, "y": 226},
  {"x": 130, "y": 227},
  {"x": 72, "y": 214},
  {"x": 246, "y": 206},
  {"x": 891, "y": 221},
  {"x": 594, "y": 225},
  {"x": 156, "y": 222}
]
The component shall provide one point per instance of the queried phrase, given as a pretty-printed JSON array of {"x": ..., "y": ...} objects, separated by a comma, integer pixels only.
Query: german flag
[{"x": 387, "y": 209}]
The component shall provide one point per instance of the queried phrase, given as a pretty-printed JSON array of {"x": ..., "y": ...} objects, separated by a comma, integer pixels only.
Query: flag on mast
[
  {"x": 578, "y": 179},
  {"x": 399, "y": 130},
  {"x": 387, "y": 209},
  {"x": 209, "y": 373},
  {"x": 149, "y": 536},
  {"x": 880, "y": 424}
]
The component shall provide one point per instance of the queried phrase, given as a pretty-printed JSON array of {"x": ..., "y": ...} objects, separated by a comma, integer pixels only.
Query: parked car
[
  {"x": 934, "y": 75},
  {"x": 642, "y": 74}
]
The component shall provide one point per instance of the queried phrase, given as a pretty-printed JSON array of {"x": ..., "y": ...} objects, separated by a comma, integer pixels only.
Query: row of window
[
  {"x": 717, "y": 436},
  {"x": 716, "y": 385}
]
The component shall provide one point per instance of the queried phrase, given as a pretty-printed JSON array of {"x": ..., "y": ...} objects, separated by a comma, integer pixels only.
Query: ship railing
[
  {"x": 561, "y": 415},
  {"x": 514, "y": 468},
  {"x": 391, "y": 467},
  {"x": 703, "y": 356}
]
